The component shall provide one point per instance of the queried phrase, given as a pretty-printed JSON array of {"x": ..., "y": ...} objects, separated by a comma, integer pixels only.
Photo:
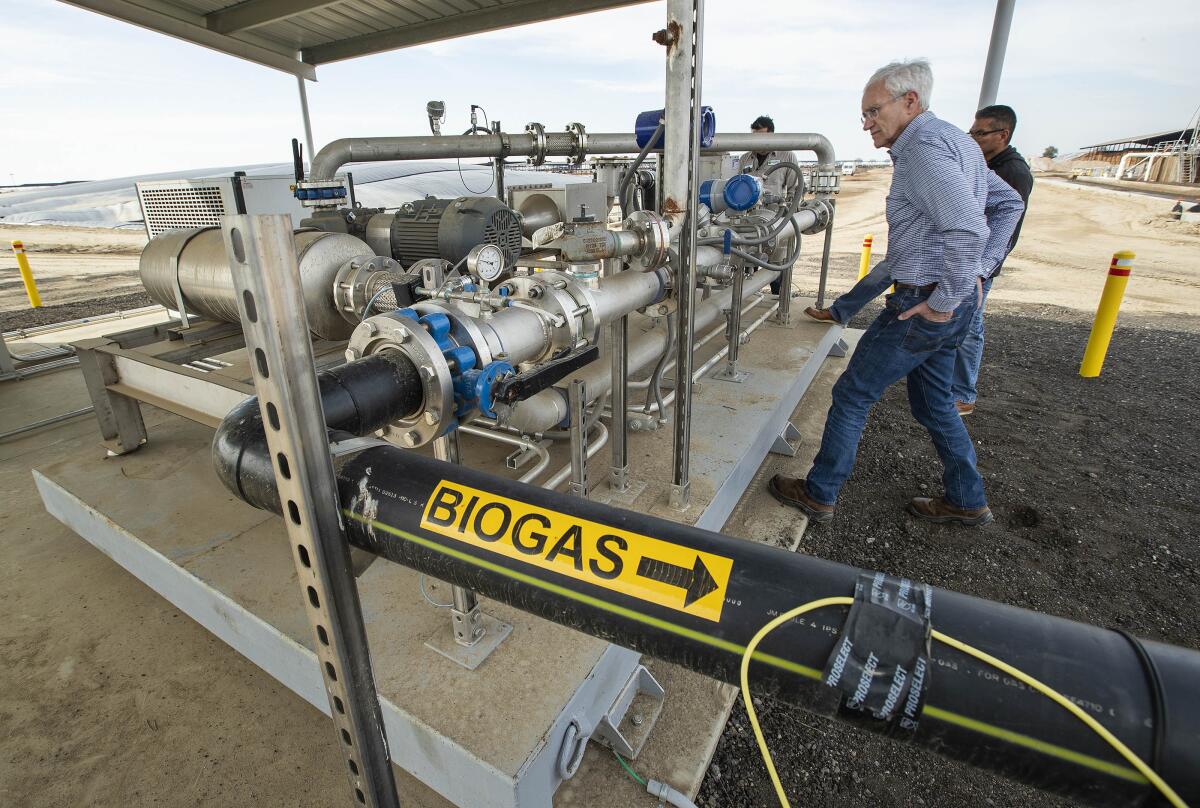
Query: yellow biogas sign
[{"x": 671, "y": 575}]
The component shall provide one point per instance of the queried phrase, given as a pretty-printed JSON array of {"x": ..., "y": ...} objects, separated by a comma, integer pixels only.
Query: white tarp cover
[{"x": 114, "y": 203}]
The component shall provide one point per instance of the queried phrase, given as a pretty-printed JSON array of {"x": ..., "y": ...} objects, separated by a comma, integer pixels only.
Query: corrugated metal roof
[
  {"x": 297, "y": 35},
  {"x": 1148, "y": 140}
]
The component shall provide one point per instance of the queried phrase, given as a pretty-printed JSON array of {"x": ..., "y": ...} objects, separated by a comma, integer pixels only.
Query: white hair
[{"x": 912, "y": 75}]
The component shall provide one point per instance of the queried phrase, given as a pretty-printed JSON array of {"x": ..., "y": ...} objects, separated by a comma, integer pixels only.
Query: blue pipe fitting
[
  {"x": 647, "y": 122},
  {"x": 742, "y": 191},
  {"x": 486, "y": 381},
  {"x": 739, "y": 192},
  {"x": 438, "y": 326},
  {"x": 472, "y": 385}
]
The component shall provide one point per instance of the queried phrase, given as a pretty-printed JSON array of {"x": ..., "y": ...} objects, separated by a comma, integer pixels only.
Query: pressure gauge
[{"x": 485, "y": 261}]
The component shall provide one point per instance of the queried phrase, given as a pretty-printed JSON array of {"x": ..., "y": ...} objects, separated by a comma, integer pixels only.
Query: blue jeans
[
  {"x": 970, "y": 355},
  {"x": 892, "y": 349},
  {"x": 866, "y": 290}
]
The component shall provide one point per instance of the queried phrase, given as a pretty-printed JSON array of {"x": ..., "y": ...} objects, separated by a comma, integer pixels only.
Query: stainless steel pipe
[
  {"x": 548, "y": 408},
  {"x": 334, "y": 155},
  {"x": 193, "y": 264}
]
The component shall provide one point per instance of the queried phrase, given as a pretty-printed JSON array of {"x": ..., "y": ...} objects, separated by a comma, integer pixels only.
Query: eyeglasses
[
  {"x": 978, "y": 133},
  {"x": 871, "y": 113}
]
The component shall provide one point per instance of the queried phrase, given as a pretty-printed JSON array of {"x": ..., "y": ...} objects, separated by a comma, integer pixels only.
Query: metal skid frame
[
  {"x": 173, "y": 368},
  {"x": 178, "y": 369}
]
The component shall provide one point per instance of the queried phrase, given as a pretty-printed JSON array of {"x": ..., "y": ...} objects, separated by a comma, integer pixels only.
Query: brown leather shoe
[
  {"x": 964, "y": 408},
  {"x": 939, "y": 510},
  {"x": 821, "y": 315},
  {"x": 792, "y": 491}
]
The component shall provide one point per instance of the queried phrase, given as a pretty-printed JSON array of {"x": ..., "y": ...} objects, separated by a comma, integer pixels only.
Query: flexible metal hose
[{"x": 631, "y": 172}]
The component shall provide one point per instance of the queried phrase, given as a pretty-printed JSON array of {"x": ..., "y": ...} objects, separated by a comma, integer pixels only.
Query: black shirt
[{"x": 1011, "y": 167}]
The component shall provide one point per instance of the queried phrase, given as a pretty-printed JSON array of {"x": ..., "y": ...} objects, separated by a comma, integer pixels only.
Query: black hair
[
  {"x": 1000, "y": 114},
  {"x": 763, "y": 122}
]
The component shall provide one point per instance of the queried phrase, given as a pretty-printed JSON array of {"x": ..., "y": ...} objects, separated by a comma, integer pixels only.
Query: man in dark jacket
[{"x": 992, "y": 130}]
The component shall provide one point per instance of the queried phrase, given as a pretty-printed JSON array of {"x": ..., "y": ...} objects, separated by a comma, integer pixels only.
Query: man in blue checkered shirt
[{"x": 938, "y": 212}]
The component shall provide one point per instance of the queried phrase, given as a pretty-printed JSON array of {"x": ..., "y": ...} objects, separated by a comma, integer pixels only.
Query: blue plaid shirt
[{"x": 949, "y": 217}]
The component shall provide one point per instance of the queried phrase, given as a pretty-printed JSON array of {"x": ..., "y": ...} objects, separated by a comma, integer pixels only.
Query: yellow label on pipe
[{"x": 661, "y": 572}]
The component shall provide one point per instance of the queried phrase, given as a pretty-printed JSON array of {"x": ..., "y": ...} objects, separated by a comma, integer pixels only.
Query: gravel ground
[
  {"x": 1094, "y": 487},
  {"x": 46, "y": 315}
]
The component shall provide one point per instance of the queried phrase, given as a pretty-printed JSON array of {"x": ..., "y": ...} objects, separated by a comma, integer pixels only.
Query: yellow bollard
[
  {"x": 864, "y": 263},
  {"x": 1106, "y": 314},
  {"x": 31, "y": 289}
]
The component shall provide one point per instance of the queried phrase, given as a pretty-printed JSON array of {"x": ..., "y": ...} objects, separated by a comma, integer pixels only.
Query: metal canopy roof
[
  {"x": 1147, "y": 140},
  {"x": 297, "y": 35}
]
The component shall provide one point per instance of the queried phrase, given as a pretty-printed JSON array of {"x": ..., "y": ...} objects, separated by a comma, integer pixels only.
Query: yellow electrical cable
[
  {"x": 1044, "y": 689},
  {"x": 763, "y": 632}
]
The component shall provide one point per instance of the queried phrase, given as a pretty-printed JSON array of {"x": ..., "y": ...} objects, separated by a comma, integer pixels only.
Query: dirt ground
[
  {"x": 76, "y": 269},
  {"x": 1093, "y": 482},
  {"x": 1095, "y": 490}
]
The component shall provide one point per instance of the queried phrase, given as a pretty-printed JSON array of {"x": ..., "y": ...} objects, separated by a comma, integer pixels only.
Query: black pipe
[
  {"x": 971, "y": 712},
  {"x": 358, "y": 397}
]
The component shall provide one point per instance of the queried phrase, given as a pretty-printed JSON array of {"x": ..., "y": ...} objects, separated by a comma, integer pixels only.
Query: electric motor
[{"x": 449, "y": 228}]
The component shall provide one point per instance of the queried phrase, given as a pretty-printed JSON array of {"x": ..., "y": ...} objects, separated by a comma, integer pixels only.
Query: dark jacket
[{"x": 1011, "y": 167}]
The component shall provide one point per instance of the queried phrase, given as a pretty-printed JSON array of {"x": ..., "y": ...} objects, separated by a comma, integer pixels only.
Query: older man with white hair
[{"x": 937, "y": 234}]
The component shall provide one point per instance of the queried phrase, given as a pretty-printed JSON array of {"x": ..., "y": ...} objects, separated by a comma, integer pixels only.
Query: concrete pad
[
  {"x": 162, "y": 513},
  {"x": 681, "y": 745}
]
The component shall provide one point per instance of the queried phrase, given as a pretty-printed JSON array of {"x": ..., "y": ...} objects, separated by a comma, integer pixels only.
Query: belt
[{"x": 926, "y": 289}]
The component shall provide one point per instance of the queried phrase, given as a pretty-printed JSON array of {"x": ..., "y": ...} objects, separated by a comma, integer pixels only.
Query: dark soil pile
[
  {"x": 47, "y": 315},
  {"x": 1096, "y": 493}
]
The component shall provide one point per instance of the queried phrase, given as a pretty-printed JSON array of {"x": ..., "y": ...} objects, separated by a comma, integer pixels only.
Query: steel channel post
[
  {"x": 684, "y": 75},
  {"x": 824, "y": 271},
  {"x": 465, "y": 613},
  {"x": 619, "y": 347},
  {"x": 735, "y": 321},
  {"x": 263, "y": 262},
  {"x": 577, "y": 405}
]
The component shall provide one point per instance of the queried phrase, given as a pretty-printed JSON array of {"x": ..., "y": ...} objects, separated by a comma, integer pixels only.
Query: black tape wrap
[{"x": 881, "y": 664}]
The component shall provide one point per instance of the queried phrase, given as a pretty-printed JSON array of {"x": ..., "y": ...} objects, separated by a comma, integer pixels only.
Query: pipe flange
[
  {"x": 585, "y": 298},
  {"x": 548, "y": 295},
  {"x": 539, "y": 143},
  {"x": 655, "y": 233},
  {"x": 557, "y": 294},
  {"x": 823, "y": 209},
  {"x": 579, "y": 147},
  {"x": 463, "y": 329},
  {"x": 356, "y": 282},
  {"x": 396, "y": 332}
]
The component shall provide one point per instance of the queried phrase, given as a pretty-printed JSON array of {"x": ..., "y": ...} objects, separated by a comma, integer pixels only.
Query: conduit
[{"x": 548, "y": 408}]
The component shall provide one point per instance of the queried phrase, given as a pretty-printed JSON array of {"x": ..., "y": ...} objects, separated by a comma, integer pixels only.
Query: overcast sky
[{"x": 87, "y": 97}]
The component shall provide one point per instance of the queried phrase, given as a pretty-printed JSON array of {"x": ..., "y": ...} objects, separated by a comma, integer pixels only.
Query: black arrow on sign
[{"x": 697, "y": 581}]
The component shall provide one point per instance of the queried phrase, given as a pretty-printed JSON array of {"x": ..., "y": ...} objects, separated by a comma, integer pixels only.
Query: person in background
[
  {"x": 781, "y": 182},
  {"x": 993, "y": 131},
  {"x": 937, "y": 237}
]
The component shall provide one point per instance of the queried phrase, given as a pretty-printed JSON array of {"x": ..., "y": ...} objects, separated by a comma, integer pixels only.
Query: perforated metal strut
[{"x": 262, "y": 258}]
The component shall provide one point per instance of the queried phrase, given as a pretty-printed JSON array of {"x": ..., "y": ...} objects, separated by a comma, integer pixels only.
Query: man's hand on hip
[{"x": 923, "y": 311}]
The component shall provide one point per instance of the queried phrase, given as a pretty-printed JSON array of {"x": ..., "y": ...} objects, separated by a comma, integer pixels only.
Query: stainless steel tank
[{"x": 207, "y": 287}]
